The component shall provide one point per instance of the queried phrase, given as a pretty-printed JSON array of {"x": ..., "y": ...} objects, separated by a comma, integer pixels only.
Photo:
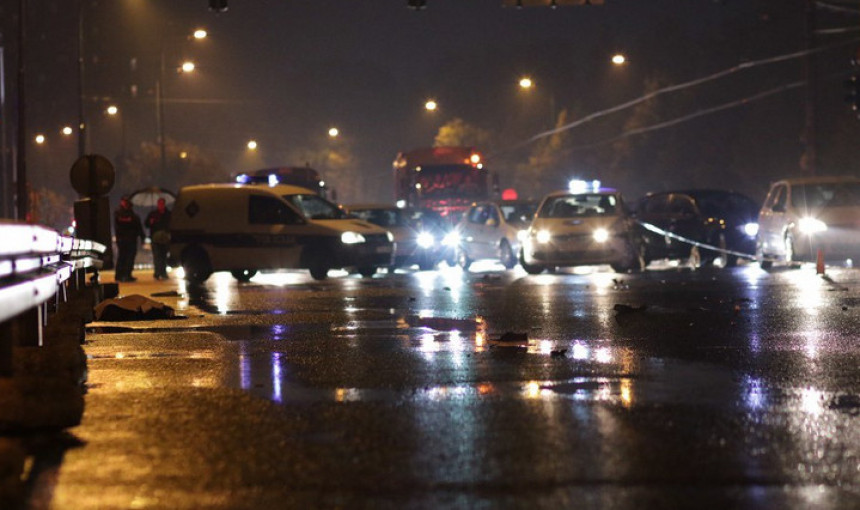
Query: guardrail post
[
  {"x": 27, "y": 328},
  {"x": 6, "y": 349}
]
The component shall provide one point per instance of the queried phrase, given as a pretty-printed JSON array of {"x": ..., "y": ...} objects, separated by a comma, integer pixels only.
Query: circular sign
[{"x": 92, "y": 175}]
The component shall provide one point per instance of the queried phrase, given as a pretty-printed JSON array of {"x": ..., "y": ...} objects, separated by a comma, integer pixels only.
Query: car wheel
[
  {"x": 695, "y": 258},
  {"x": 761, "y": 258},
  {"x": 721, "y": 255},
  {"x": 790, "y": 251},
  {"x": 367, "y": 271},
  {"x": 243, "y": 275},
  {"x": 426, "y": 262},
  {"x": 196, "y": 265},
  {"x": 506, "y": 255},
  {"x": 463, "y": 260},
  {"x": 530, "y": 268}
]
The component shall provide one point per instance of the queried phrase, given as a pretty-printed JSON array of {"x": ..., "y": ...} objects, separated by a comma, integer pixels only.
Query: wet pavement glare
[{"x": 735, "y": 388}]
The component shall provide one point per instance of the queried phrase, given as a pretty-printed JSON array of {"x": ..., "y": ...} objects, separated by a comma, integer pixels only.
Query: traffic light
[{"x": 218, "y": 5}]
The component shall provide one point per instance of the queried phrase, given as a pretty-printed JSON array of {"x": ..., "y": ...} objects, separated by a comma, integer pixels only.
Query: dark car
[{"x": 723, "y": 219}]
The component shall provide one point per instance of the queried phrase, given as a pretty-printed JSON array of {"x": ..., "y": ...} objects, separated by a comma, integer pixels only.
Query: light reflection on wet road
[{"x": 735, "y": 388}]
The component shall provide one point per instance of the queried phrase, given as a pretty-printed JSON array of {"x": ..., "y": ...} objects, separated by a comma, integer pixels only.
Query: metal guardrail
[{"x": 35, "y": 262}]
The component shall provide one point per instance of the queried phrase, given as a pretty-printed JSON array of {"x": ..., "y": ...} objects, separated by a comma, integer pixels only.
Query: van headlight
[
  {"x": 811, "y": 225},
  {"x": 751, "y": 229},
  {"x": 543, "y": 236},
  {"x": 351, "y": 238},
  {"x": 601, "y": 235},
  {"x": 425, "y": 240},
  {"x": 522, "y": 235}
]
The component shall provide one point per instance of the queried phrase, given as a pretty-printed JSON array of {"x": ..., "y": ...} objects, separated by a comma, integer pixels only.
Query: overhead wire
[{"x": 674, "y": 88}]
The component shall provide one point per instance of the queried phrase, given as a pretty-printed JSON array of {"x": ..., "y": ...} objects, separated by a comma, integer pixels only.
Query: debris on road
[
  {"x": 510, "y": 339},
  {"x": 557, "y": 353}
]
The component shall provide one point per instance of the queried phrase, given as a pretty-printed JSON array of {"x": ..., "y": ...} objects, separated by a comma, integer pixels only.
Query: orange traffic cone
[{"x": 819, "y": 263}]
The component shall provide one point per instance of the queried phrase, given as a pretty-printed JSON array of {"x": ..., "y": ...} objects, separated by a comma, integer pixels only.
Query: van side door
[{"x": 275, "y": 230}]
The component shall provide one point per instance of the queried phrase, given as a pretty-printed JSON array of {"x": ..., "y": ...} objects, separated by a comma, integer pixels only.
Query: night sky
[{"x": 283, "y": 71}]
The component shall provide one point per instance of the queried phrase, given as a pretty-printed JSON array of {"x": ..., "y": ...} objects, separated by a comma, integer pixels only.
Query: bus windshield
[{"x": 451, "y": 181}]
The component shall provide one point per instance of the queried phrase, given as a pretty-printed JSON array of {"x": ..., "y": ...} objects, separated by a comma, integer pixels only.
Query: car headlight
[
  {"x": 425, "y": 240},
  {"x": 451, "y": 239},
  {"x": 751, "y": 229},
  {"x": 811, "y": 225},
  {"x": 390, "y": 236},
  {"x": 522, "y": 235},
  {"x": 543, "y": 236},
  {"x": 351, "y": 238},
  {"x": 601, "y": 235}
]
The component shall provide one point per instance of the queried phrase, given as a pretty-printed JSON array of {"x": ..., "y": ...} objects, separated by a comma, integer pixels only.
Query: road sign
[{"x": 92, "y": 175}]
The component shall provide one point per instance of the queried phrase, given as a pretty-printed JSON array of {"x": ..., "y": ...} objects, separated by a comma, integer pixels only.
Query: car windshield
[
  {"x": 382, "y": 217},
  {"x": 720, "y": 204},
  {"x": 518, "y": 213},
  {"x": 821, "y": 195},
  {"x": 315, "y": 207},
  {"x": 582, "y": 205}
]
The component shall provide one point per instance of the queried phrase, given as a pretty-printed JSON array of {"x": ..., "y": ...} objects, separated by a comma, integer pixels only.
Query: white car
[
  {"x": 803, "y": 216},
  {"x": 581, "y": 229},
  {"x": 492, "y": 230}
]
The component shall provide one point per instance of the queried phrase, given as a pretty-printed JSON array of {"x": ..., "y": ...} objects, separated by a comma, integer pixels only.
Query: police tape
[{"x": 672, "y": 235}]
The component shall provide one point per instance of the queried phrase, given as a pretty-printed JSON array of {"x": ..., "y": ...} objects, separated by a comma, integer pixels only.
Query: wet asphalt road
[{"x": 671, "y": 389}]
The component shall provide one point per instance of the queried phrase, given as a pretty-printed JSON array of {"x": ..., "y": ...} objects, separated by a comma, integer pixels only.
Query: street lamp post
[
  {"x": 186, "y": 67},
  {"x": 526, "y": 83}
]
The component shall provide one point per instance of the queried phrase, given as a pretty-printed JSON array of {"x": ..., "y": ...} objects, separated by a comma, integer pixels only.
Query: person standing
[
  {"x": 128, "y": 229},
  {"x": 158, "y": 222}
]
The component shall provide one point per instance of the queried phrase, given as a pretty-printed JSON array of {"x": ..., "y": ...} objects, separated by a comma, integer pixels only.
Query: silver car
[
  {"x": 804, "y": 216},
  {"x": 582, "y": 229},
  {"x": 493, "y": 230}
]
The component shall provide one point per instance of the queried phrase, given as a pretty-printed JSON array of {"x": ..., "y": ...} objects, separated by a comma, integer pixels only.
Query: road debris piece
[
  {"x": 557, "y": 353},
  {"x": 621, "y": 308},
  {"x": 510, "y": 339}
]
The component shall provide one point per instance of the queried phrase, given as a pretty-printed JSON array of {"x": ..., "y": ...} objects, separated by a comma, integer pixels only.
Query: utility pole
[
  {"x": 82, "y": 124},
  {"x": 809, "y": 164},
  {"x": 21, "y": 194}
]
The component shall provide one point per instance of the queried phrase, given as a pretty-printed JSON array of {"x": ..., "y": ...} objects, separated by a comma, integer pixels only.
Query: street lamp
[
  {"x": 252, "y": 145},
  {"x": 40, "y": 139},
  {"x": 526, "y": 83},
  {"x": 111, "y": 110},
  {"x": 333, "y": 132},
  {"x": 186, "y": 67},
  {"x": 619, "y": 59},
  {"x": 431, "y": 105},
  {"x": 67, "y": 131}
]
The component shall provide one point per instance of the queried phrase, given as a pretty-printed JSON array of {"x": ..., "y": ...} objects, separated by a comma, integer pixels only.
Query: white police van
[{"x": 249, "y": 228}]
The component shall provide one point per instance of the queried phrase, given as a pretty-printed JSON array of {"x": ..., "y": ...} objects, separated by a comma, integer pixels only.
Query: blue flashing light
[
  {"x": 581, "y": 186},
  {"x": 243, "y": 178},
  {"x": 273, "y": 180}
]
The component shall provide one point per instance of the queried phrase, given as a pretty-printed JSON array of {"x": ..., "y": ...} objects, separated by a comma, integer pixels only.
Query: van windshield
[
  {"x": 820, "y": 195},
  {"x": 315, "y": 207}
]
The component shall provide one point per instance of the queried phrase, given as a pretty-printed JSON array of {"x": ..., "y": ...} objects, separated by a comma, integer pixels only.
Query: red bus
[{"x": 444, "y": 179}]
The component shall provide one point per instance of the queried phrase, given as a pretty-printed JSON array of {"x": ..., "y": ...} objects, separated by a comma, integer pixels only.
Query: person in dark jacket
[
  {"x": 157, "y": 222},
  {"x": 127, "y": 229}
]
